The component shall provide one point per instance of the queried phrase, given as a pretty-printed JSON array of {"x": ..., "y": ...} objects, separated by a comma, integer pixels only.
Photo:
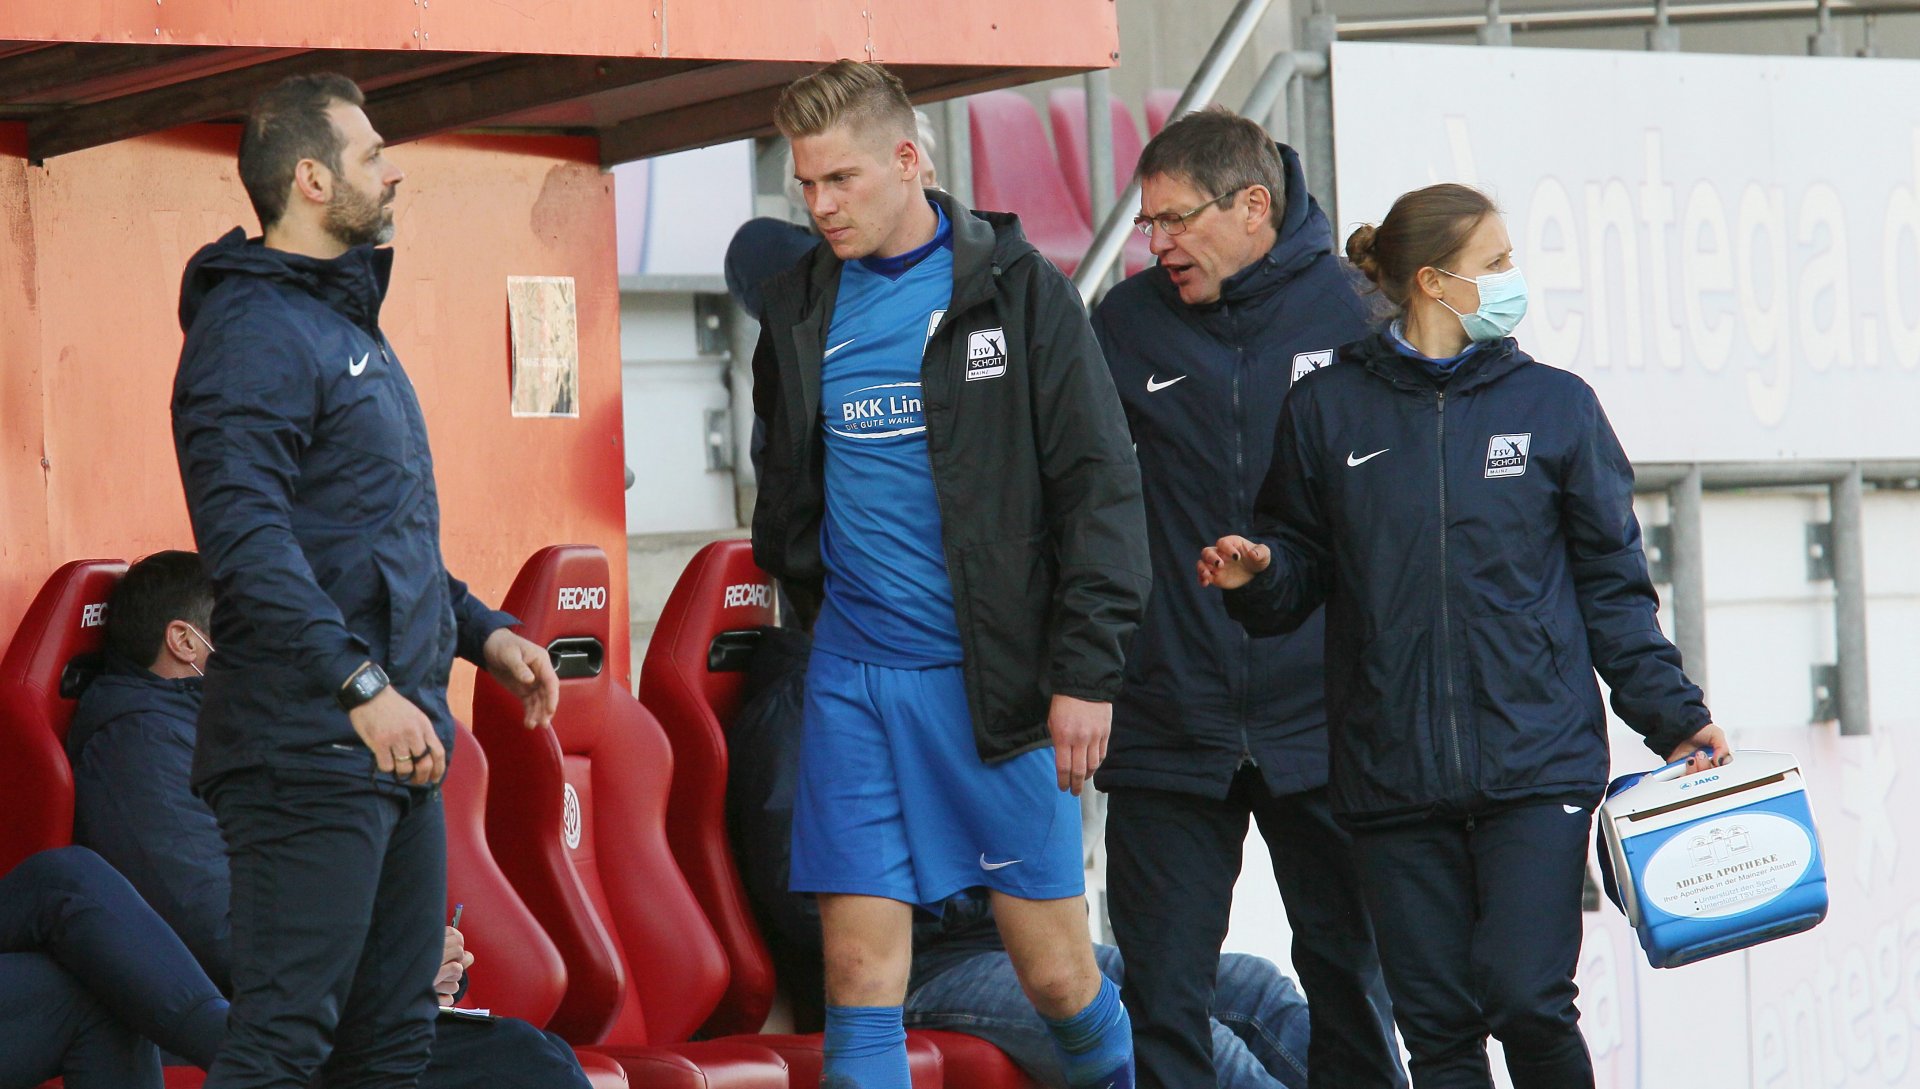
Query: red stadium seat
[
  {"x": 520, "y": 971},
  {"x": 53, "y": 652},
  {"x": 1067, "y": 109},
  {"x": 48, "y": 662},
  {"x": 692, "y": 689},
  {"x": 1015, "y": 170},
  {"x": 644, "y": 968},
  {"x": 691, "y": 680},
  {"x": 1160, "y": 103}
]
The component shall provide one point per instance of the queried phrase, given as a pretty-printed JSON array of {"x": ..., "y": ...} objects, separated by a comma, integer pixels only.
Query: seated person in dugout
[
  {"x": 962, "y": 980},
  {"x": 131, "y": 746}
]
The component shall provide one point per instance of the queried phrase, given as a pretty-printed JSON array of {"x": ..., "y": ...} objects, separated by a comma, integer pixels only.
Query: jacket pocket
[
  {"x": 372, "y": 416},
  {"x": 1005, "y": 599},
  {"x": 1532, "y": 729},
  {"x": 1386, "y": 755}
]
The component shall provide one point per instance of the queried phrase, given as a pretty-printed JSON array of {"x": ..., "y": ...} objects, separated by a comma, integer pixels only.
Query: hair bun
[{"x": 1360, "y": 251}]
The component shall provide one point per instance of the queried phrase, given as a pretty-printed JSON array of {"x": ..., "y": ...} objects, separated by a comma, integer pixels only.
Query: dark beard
[{"x": 354, "y": 219}]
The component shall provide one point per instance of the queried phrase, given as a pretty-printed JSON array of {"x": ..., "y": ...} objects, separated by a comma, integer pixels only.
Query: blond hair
[{"x": 860, "y": 94}]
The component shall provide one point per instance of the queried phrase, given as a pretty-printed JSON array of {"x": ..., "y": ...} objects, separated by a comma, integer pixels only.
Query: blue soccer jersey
[{"x": 888, "y": 599}]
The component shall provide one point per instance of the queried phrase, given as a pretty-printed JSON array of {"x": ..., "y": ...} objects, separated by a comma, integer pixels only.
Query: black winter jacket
[
  {"x": 310, "y": 486},
  {"x": 1038, "y": 490},
  {"x": 1202, "y": 386},
  {"x": 1473, "y": 538},
  {"x": 131, "y": 747}
]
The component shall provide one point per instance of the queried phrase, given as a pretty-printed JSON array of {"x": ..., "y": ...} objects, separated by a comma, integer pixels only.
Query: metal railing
[
  {"x": 1613, "y": 15},
  {"x": 1845, "y": 549}
]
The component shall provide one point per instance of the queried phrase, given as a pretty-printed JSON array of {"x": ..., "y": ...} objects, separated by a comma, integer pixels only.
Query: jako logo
[
  {"x": 749, "y": 593},
  {"x": 577, "y": 598},
  {"x": 1702, "y": 781},
  {"x": 94, "y": 615}
]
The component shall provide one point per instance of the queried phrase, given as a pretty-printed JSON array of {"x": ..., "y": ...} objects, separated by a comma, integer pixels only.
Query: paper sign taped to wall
[{"x": 546, "y": 346}]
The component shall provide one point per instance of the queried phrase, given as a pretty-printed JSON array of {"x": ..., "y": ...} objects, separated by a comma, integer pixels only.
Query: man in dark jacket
[
  {"x": 1215, "y": 726},
  {"x": 131, "y": 745},
  {"x": 325, "y": 725},
  {"x": 947, "y": 478}
]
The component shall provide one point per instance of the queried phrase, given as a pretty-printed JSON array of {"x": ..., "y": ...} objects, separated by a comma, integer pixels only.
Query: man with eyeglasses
[{"x": 1214, "y": 727}]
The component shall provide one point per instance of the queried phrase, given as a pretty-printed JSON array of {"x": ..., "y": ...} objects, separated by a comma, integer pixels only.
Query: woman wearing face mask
[{"x": 1465, "y": 513}]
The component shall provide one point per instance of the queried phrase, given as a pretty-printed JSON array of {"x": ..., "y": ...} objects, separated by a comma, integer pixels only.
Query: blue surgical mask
[{"x": 1503, "y": 302}]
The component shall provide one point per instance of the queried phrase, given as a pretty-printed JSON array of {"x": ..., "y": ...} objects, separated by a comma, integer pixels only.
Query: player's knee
[
  {"x": 1060, "y": 986},
  {"x": 859, "y": 974}
]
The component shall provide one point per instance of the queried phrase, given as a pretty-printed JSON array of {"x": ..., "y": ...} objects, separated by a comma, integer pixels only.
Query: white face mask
[{"x": 203, "y": 639}]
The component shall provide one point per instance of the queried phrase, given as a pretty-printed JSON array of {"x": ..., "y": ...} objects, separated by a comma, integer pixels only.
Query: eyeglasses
[{"x": 1172, "y": 224}]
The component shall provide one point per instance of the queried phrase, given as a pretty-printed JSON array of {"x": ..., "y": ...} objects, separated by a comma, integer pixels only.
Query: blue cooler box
[{"x": 1709, "y": 863}]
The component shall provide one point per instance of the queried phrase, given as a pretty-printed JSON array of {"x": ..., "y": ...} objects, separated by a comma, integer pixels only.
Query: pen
[{"x": 457, "y": 909}]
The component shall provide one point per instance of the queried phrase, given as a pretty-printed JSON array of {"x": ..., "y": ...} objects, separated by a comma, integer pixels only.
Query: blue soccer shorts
[{"x": 894, "y": 800}]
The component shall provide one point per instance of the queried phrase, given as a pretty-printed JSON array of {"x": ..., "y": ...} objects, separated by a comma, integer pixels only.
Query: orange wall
[
  {"x": 90, "y": 262},
  {"x": 1056, "y": 33}
]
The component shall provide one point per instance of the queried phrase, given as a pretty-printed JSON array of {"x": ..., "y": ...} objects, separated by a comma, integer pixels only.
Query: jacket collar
[
  {"x": 353, "y": 284},
  {"x": 985, "y": 244},
  {"x": 977, "y": 248},
  {"x": 124, "y": 688},
  {"x": 1382, "y": 357}
]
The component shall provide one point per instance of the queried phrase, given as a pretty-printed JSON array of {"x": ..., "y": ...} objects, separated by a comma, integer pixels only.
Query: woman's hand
[
  {"x": 1713, "y": 740},
  {"x": 1231, "y": 562}
]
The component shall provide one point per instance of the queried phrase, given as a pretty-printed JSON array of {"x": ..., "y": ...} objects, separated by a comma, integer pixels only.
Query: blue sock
[
  {"x": 1095, "y": 1046},
  {"x": 866, "y": 1049}
]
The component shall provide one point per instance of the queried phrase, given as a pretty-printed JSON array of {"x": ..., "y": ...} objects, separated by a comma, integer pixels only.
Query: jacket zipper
[
  {"x": 950, "y": 317},
  {"x": 1446, "y": 613},
  {"x": 1245, "y": 509}
]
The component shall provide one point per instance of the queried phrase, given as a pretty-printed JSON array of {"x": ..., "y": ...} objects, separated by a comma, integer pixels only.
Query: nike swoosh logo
[
  {"x": 985, "y": 865},
  {"x": 837, "y": 347},
  {"x": 353, "y": 368},
  {"x": 1352, "y": 461},
  {"x": 1572, "y": 809},
  {"x": 1156, "y": 387}
]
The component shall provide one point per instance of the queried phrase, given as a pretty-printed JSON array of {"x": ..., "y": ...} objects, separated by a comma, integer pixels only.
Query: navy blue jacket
[
  {"x": 1202, "y": 387},
  {"x": 1473, "y": 537},
  {"x": 131, "y": 747},
  {"x": 310, "y": 486}
]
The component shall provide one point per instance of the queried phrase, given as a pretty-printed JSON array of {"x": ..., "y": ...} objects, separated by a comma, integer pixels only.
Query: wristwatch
[{"x": 366, "y": 682}]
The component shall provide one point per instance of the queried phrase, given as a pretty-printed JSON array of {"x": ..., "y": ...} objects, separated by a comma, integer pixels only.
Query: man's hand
[
  {"x": 401, "y": 738},
  {"x": 1231, "y": 562},
  {"x": 454, "y": 962},
  {"x": 1080, "y": 729},
  {"x": 1713, "y": 740},
  {"x": 524, "y": 669}
]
